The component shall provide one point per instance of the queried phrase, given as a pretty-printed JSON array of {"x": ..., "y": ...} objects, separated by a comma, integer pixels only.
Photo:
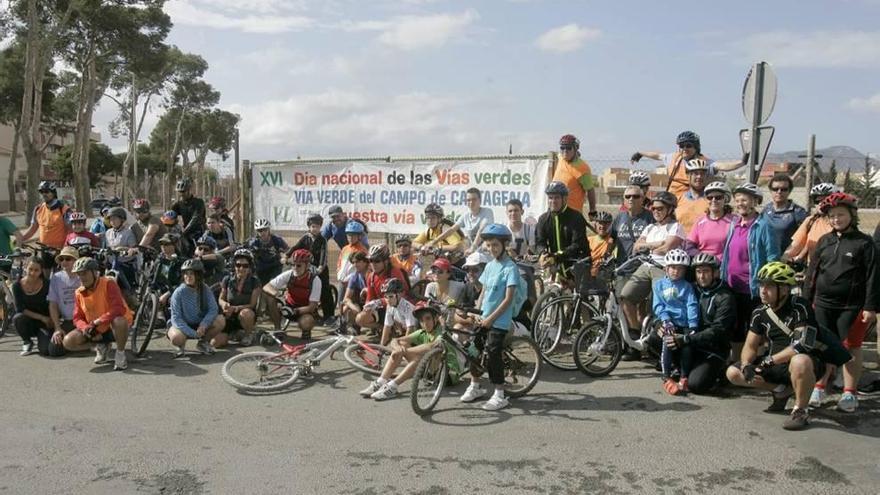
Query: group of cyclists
[{"x": 774, "y": 297}]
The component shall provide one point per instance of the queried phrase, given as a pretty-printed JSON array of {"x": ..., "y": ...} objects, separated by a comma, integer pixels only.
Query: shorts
[
  {"x": 779, "y": 374},
  {"x": 638, "y": 287},
  {"x": 232, "y": 324},
  {"x": 856, "y": 335}
]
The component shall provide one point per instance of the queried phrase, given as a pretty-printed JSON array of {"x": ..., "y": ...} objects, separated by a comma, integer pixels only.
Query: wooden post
[{"x": 245, "y": 200}]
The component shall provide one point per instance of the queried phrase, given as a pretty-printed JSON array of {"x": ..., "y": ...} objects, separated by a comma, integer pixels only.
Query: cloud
[
  {"x": 869, "y": 104},
  {"x": 278, "y": 59},
  {"x": 566, "y": 38},
  {"x": 252, "y": 16},
  {"x": 856, "y": 49},
  {"x": 417, "y": 32}
]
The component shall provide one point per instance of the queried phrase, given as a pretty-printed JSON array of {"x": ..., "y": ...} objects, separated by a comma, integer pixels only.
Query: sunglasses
[
  {"x": 242, "y": 265},
  {"x": 686, "y": 146},
  {"x": 632, "y": 196},
  {"x": 658, "y": 208},
  {"x": 65, "y": 258},
  {"x": 566, "y": 148},
  {"x": 262, "y": 230},
  {"x": 714, "y": 198},
  {"x": 780, "y": 189}
]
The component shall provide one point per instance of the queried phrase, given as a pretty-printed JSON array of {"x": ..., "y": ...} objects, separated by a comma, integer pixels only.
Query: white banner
[{"x": 391, "y": 197}]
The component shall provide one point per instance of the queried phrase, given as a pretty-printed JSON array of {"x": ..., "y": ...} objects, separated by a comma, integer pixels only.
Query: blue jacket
[
  {"x": 676, "y": 301},
  {"x": 186, "y": 312},
  {"x": 763, "y": 248}
]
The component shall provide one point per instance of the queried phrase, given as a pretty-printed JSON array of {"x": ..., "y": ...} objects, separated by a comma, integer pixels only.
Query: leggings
[
  {"x": 707, "y": 369},
  {"x": 836, "y": 320},
  {"x": 745, "y": 304},
  {"x": 29, "y": 328},
  {"x": 494, "y": 344}
]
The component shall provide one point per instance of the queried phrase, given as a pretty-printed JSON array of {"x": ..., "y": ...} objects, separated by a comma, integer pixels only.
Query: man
[
  {"x": 382, "y": 270},
  {"x": 62, "y": 294},
  {"x": 335, "y": 228},
  {"x": 471, "y": 223},
  {"x": 629, "y": 223},
  {"x": 787, "y": 324},
  {"x": 576, "y": 174},
  {"x": 692, "y": 205},
  {"x": 191, "y": 209},
  {"x": 688, "y": 143},
  {"x": 153, "y": 228},
  {"x": 434, "y": 236},
  {"x": 267, "y": 248},
  {"x": 7, "y": 230},
  {"x": 642, "y": 180},
  {"x": 100, "y": 315},
  {"x": 562, "y": 231},
  {"x": 51, "y": 218},
  {"x": 217, "y": 206},
  {"x": 523, "y": 231},
  {"x": 222, "y": 235},
  {"x": 783, "y": 214},
  {"x": 302, "y": 293}
]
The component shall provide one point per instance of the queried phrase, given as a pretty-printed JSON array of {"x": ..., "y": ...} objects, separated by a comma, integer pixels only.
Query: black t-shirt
[
  {"x": 167, "y": 273},
  {"x": 215, "y": 269},
  {"x": 223, "y": 239},
  {"x": 242, "y": 297},
  {"x": 797, "y": 314},
  {"x": 38, "y": 303},
  {"x": 315, "y": 245}
]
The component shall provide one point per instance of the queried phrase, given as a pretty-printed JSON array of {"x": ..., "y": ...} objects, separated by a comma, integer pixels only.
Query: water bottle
[{"x": 472, "y": 350}]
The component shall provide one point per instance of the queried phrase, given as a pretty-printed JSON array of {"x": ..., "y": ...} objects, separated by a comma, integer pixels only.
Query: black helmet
[
  {"x": 184, "y": 184},
  {"x": 666, "y": 198},
  {"x": 557, "y": 187},
  {"x": 392, "y": 286},
  {"x": 47, "y": 186},
  {"x": 688, "y": 137},
  {"x": 604, "y": 217},
  {"x": 114, "y": 201},
  {"x": 434, "y": 209},
  {"x": 194, "y": 265}
]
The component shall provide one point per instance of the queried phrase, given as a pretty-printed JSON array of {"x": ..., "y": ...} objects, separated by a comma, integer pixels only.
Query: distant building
[{"x": 613, "y": 182}]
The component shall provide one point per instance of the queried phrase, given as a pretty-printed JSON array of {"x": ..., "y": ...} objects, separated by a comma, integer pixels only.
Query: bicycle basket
[{"x": 584, "y": 281}]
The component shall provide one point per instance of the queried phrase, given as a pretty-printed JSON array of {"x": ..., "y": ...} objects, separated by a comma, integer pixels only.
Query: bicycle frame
[{"x": 305, "y": 351}]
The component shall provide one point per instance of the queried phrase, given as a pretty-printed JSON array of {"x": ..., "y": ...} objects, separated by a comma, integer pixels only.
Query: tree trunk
[
  {"x": 91, "y": 90},
  {"x": 12, "y": 162}
]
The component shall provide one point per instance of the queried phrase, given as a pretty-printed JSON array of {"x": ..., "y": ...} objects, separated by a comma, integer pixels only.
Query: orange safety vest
[
  {"x": 53, "y": 230},
  {"x": 678, "y": 179}
]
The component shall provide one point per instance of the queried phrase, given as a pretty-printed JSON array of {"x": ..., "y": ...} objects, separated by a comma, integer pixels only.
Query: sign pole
[
  {"x": 811, "y": 155},
  {"x": 756, "y": 122}
]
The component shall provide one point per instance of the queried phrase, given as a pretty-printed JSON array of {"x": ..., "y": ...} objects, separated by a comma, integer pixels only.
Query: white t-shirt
[
  {"x": 402, "y": 314},
  {"x": 658, "y": 233},
  {"x": 470, "y": 223},
  {"x": 524, "y": 238},
  {"x": 280, "y": 282}
]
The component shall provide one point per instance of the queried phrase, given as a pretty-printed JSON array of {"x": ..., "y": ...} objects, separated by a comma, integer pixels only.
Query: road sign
[
  {"x": 765, "y": 136},
  {"x": 759, "y": 93}
]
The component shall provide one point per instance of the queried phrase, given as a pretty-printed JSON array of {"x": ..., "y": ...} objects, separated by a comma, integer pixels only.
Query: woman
[
  {"x": 844, "y": 285},
  {"x": 751, "y": 243},
  {"x": 31, "y": 300},
  {"x": 239, "y": 294},
  {"x": 804, "y": 240},
  {"x": 443, "y": 289},
  {"x": 710, "y": 232},
  {"x": 194, "y": 311}
]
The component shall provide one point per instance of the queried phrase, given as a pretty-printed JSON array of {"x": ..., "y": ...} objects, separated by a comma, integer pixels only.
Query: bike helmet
[
  {"x": 379, "y": 252},
  {"x": 47, "y": 186},
  {"x": 434, "y": 209},
  {"x": 823, "y": 189},
  {"x": 705, "y": 259},
  {"x": 77, "y": 216},
  {"x": 556, "y": 187},
  {"x": 84, "y": 265},
  {"x": 425, "y": 307},
  {"x": 261, "y": 223},
  {"x": 217, "y": 203},
  {"x": 392, "y": 286},
  {"x": 105, "y": 210},
  {"x": 192, "y": 265},
  {"x": 314, "y": 219},
  {"x": 696, "y": 165},
  {"x": 207, "y": 240},
  {"x": 688, "y": 137},
  {"x": 838, "y": 199},
  {"x": 243, "y": 253},
  {"x": 301, "y": 256},
  {"x": 353, "y": 227},
  {"x": 496, "y": 231},
  {"x": 140, "y": 205},
  {"x": 665, "y": 197},
  {"x": 750, "y": 189},
  {"x": 169, "y": 217},
  {"x": 476, "y": 259},
  {"x": 114, "y": 201},
  {"x": 639, "y": 178},
  {"x": 604, "y": 217},
  {"x": 569, "y": 140},
  {"x": 184, "y": 184},
  {"x": 403, "y": 241},
  {"x": 677, "y": 257},
  {"x": 777, "y": 272},
  {"x": 717, "y": 186},
  {"x": 118, "y": 213}
]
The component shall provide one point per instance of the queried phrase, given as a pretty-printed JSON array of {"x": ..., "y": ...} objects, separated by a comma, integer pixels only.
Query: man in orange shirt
[
  {"x": 51, "y": 219},
  {"x": 99, "y": 314},
  {"x": 692, "y": 205},
  {"x": 576, "y": 174},
  {"x": 804, "y": 240}
]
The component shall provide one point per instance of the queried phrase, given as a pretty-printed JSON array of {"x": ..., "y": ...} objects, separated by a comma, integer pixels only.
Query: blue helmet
[
  {"x": 496, "y": 231},
  {"x": 207, "y": 240},
  {"x": 353, "y": 227}
]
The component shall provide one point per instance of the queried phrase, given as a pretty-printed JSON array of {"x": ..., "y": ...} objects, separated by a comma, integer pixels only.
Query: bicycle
[
  {"x": 11, "y": 270},
  {"x": 264, "y": 371},
  {"x": 522, "y": 366},
  {"x": 600, "y": 343},
  {"x": 145, "y": 316},
  {"x": 556, "y": 322}
]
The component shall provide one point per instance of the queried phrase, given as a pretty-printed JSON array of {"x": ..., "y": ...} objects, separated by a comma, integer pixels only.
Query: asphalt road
[{"x": 173, "y": 426}]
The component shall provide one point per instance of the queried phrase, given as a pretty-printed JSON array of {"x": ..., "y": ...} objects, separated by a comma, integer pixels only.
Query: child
[
  {"x": 315, "y": 243},
  {"x": 398, "y": 313},
  {"x": 354, "y": 233},
  {"x": 602, "y": 244},
  {"x": 353, "y": 298},
  {"x": 677, "y": 307},
  {"x": 405, "y": 260}
]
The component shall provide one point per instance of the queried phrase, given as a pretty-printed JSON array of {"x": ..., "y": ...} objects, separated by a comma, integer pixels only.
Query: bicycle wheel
[
  {"x": 369, "y": 358},
  {"x": 591, "y": 356},
  {"x": 556, "y": 327},
  {"x": 260, "y": 371},
  {"x": 542, "y": 300},
  {"x": 428, "y": 381},
  {"x": 144, "y": 324},
  {"x": 334, "y": 292},
  {"x": 6, "y": 309},
  {"x": 522, "y": 365}
]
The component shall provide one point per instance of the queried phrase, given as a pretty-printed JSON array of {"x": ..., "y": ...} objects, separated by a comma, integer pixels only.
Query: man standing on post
[
  {"x": 576, "y": 174},
  {"x": 51, "y": 218},
  {"x": 335, "y": 228},
  {"x": 782, "y": 213},
  {"x": 192, "y": 210}
]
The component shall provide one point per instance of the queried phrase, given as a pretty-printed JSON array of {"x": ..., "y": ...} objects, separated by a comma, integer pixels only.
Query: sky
[{"x": 341, "y": 78}]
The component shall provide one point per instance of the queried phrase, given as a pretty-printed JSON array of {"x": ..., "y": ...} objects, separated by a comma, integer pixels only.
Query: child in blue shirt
[{"x": 677, "y": 307}]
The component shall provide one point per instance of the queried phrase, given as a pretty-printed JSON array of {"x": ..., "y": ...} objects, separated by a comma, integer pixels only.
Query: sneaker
[
  {"x": 495, "y": 403},
  {"x": 330, "y": 322},
  {"x": 798, "y": 420},
  {"x": 26, "y": 349},
  {"x": 631, "y": 355},
  {"x": 848, "y": 402},
  {"x": 683, "y": 385},
  {"x": 371, "y": 389},
  {"x": 247, "y": 340},
  {"x": 472, "y": 393},
  {"x": 101, "y": 353},
  {"x": 671, "y": 387},
  {"x": 120, "y": 362},
  {"x": 780, "y": 399},
  {"x": 817, "y": 397},
  {"x": 205, "y": 348},
  {"x": 388, "y": 391},
  {"x": 179, "y": 351}
]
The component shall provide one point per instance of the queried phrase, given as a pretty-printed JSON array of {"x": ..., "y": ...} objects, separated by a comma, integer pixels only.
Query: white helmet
[
  {"x": 824, "y": 189},
  {"x": 695, "y": 165},
  {"x": 677, "y": 257},
  {"x": 477, "y": 258},
  {"x": 750, "y": 189},
  {"x": 717, "y": 186},
  {"x": 639, "y": 178},
  {"x": 77, "y": 216},
  {"x": 261, "y": 223}
]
